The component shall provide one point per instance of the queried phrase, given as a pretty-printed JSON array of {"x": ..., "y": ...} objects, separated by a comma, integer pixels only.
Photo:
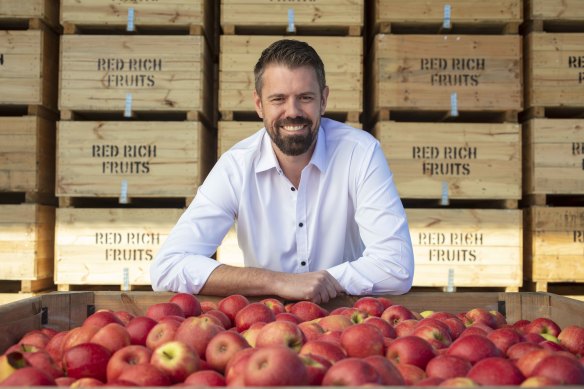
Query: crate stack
[
  {"x": 554, "y": 144},
  {"x": 28, "y": 103},
  {"x": 333, "y": 27},
  {"x": 136, "y": 136},
  {"x": 444, "y": 83}
]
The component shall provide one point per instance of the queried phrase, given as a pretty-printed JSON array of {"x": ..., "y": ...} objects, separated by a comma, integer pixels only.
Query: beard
[{"x": 293, "y": 145}]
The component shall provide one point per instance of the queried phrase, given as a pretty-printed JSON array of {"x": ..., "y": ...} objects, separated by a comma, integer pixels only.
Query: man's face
[{"x": 291, "y": 105}]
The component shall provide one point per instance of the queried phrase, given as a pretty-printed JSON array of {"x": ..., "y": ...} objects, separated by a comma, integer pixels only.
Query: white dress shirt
[{"x": 346, "y": 217}]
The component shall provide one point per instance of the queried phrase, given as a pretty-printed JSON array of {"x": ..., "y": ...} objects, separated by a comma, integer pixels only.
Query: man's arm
[{"x": 318, "y": 287}]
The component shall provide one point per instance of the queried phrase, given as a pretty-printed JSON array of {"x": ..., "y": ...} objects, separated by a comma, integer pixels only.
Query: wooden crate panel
[
  {"x": 114, "y": 13},
  {"x": 232, "y": 132},
  {"x": 23, "y": 10},
  {"x": 555, "y": 10},
  {"x": 554, "y": 156},
  {"x": 156, "y": 159},
  {"x": 555, "y": 244},
  {"x": 162, "y": 73},
  {"x": 421, "y": 72},
  {"x": 314, "y": 13},
  {"x": 27, "y": 154},
  {"x": 555, "y": 70},
  {"x": 28, "y": 68},
  {"x": 483, "y": 247},
  {"x": 461, "y": 11},
  {"x": 94, "y": 246},
  {"x": 26, "y": 241},
  {"x": 469, "y": 160},
  {"x": 343, "y": 63}
]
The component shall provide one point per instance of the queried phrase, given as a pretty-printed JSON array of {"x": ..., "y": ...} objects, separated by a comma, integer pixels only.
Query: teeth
[{"x": 293, "y": 128}]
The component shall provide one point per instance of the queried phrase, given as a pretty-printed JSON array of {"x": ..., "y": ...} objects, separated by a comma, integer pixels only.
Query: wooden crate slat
[
  {"x": 555, "y": 10},
  {"x": 24, "y": 10}
]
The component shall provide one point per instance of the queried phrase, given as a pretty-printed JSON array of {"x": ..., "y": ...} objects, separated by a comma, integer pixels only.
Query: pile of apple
[{"x": 235, "y": 342}]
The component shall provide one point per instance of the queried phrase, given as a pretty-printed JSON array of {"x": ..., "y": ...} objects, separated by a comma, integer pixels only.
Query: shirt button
[
  {"x": 292, "y": 189},
  {"x": 303, "y": 263},
  {"x": 300, "y": 224}
]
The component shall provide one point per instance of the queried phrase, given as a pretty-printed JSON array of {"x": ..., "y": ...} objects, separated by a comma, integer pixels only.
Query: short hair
[{"x": 293, "y": 54}]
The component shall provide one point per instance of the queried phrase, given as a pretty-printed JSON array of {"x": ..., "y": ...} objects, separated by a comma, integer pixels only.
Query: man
[{"x": 314, "y": 202}]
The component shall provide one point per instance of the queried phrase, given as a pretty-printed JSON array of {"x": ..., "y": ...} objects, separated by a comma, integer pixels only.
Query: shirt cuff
[
  {"x": 353, "y": 282},
  {"x": 188, "y": 275}
]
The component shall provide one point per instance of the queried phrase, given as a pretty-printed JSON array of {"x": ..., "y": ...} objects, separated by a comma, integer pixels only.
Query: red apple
[
  {"x": 217, "y": 314},
  {"x": 564, "y": 369},
  {"x": 65, "y": 381},
  {"x": 517, "y": 350},
  {"x": 55, "y": 347},
  {"x": 124, "y": 316},
  {"x": 35, "y": 338},
  {"x": 43, "y": 361},
  {"x": 125, "y": 357},
  {"x": 410, "y": 350},
  {"x": 397, "y": 313},
  {"x": 189, "y": 304},
  {"x": 275, "y": 366},
  {"x": 287, "y": 316},
  {"x": 437, "y": 336},
  {"x": 176, "y": 360},
  {"x": 50, "y": 332},
  {"x": 533, "y": 337},
  {"x": 316, "y": 368},
  {"x": 162, "y": 333},
  {"x": 208, "y": 305},
  {"x": 411, "y": 374},
  {"x": 388, "y": 372},
  {"x": 528, "y": 361},
  {"x": 543, "y": 325},
  {"x": 113, "y": 337},
  {"x": 405, "y": 327},
  {"x": 473, "y": 348},
  {"x": 144, "y": 375},
  {"x": 500, "y": 319},
  {"x": 230, "y": 305},
  {"x": 331, "y": 336},
  {"x": 448, "y": 366},
  {"x": 253, "y": 313},
  {"x": 351, "y": 372},
  {"x": 311, "y": 329},
  {"x": 386, "y": 329},
  {"x": 10, "y": 362},
  {"x": 572, "y": 338},
  {"x": 504, "y": 338},
  {"x": 222, "y": 347},
  {"x": 328, "y": 350},
  {"x": 458, "y": 382},
  {"x": 78, "y": 335},
  {"x": 362, "y": 340},
  {"x": 536, "y": 382},
  {"x": 251, "y": 334},
  {"x": 159, "y": 310},
  {"x": 86, "y": 382},
  {"x": 429, "y": 381},
  {"x": 280, "y": 333},
  {"x": 275, "y": 305},
  {"x": 455, "y": 325},
  {"x": 334, "y": 322},
  {"x": 28, "y": 376},
  {"x": 307, "y": 310},
  {"x": 87, "y": 360},
  {"x": 100, "y": 318},
  {"x": 205, "y": 378},
  {"x": 495, "y": 371},
  {"x": 520, "y": 325},
  {"x": 138, "y": 329},
  {"x": 370, "y": 305},
  {"x": 197, "y": 332},
  {"x": 235, "y": 368},
  {"x": 480, "y": 315}
]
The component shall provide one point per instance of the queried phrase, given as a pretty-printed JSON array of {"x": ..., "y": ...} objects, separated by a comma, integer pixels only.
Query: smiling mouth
[{"x": 294, "y": 128}]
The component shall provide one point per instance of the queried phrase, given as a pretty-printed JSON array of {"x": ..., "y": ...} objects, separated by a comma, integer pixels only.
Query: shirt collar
[{"x": 267, "y": 158}]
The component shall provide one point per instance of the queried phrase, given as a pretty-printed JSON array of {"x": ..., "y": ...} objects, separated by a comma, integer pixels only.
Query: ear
[
  {"x": 258, "y": 104},
  {"x": 324, "y": 99}
]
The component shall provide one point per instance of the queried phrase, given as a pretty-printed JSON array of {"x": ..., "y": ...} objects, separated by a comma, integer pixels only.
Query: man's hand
[{"x": 318, "y": 287}]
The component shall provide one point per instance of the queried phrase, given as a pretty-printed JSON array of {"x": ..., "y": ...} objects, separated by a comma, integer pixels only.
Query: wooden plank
[
  {"x": 95, "y": 246},
  {"x": 24, "y": 10},
  {"x": 156, "y": 159},
  {"x": 468, "y": 160},
  {"x": 556, "y": 10},
  {"x": 342, "y": 57},
  {"x": 483, "y": 247},
  {"x": 422, "y": 72},
  {"x": 98, "y": 72},
  {"x": 27, "y": 146}
]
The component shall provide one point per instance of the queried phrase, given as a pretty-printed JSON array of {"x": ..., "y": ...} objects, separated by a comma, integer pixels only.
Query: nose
[{"x": 293, "y": 108}]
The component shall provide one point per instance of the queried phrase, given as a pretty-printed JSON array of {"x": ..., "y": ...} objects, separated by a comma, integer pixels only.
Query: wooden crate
[
  {"x": 27, "y": 245},
  {"x": 28, "y": 68},
  {"x": 27, "y": 155},
  {"x": 343, "y": 62},
  {"x": 554, "y": 242},
  {"x": 273, "y": 17},
  {"x": 554, "y": 157},
  {"x": 483, "y": 247},
  {"x": 155, "y": 159},
  {"x": 160, "y": 74},
  {"x": 16, "y": 12},
  {"x": 392, "y": 15},
  {"x": 456, "y": 160},
  {"x": 113, "y": 15},
  {"x": 94, "y": 246},
  {"x": 555, "y": 70},
  {"x": 555, "y": 12},
  {"x": 232, "y": 132},
  {"x": 424, "y": 72}
]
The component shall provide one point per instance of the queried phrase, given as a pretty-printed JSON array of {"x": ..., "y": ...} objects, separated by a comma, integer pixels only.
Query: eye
[
  {"x": 306, "y": 98},
  {"x": 277, "y": 100}
]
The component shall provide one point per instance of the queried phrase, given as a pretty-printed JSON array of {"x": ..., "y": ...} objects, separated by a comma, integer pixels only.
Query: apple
[
  {"x": 543, "y": 325},
  {"x": 125, "y": 357},
  {"x": 287, "y": 316},
  {"x": 275, "y": 305},
  {"x": 528, "y": 361},
  {"x": 176, "y": 359},
  {"x": 205, "y": 378},
  {"x": 536, "y": 382},
  {"x": 495, "y": 371},
  {"x": 334, "y": 322},
  {"x": 500, "y": 319},
  {"x": 351, "y": 372},
  {"x": 311, "y": 329},
  {"x": 43, "y": 361},
  {"x": 362, "y": 340},
  {"x": 253, "y": 313},
  {"x": 331, "y": 336},
  {"x": 455, "y": 326},
  {"x": 50, "y": 332},
  {"x": 316, "y": 368},
  {"x": 113, "y": 336},
  {"x": 225, "y": 321},
  {"x": 197, "y": 332},
  {"x": 10, "y": 362},
  {"x": 388, "y": 372},
  {"x": 64, "y": 381},
  {"x": 520, "y": 325},
  {"x": 397, "y": 313},
  {"x": 561, "y": 368},
  {"x": 328, "y": 350},
  {"x": 138, "y": 329},
  {"x": 55, "y": 347},
  {"x": 458, "y": 382},
  {"x": 448, "y": 366},
  {"x": 189, "y": 304},
  {"x": 504, "y": 338},
  {"x": 480, "y": 315},
  {"x": 386, "y": 329},
  {"x": 517, "y": 350},
  {"x": 35, "y": 338},
  {"x": 222, "y": 347},
  {"x": 208, "y": 305},
  {"x": 159, "y": 310},
  {"x": 473, "y": 348},
  {"x": 438, "y": 337},
  {"x": 144, "y": 375},
  {"x": 307, "y": 310},
  {"x": 162, "y": 333},
  {"x": 411, "y": 374},
  {"x": 86, "y": 382},
  {"x": 281, "y": 333},
  {"x": 230, "y": 305},
  {"x": 405, "y": 327},
  {"x": 124, "y": 316},
  {"x": 429, "y": 381},
  {"x": 28, "y": 376},
  {"x": 100, "y": 318},
  {"x": 79, "y": 335},
  {"x": 275, "y": 366},
  {"x": 411, "y": 350},
  {"x": 235, "y": 368},
  {"x": 370, "y": 305},
  {"x": 533, "y": 337},
  {"x": 87, "y": 360},
  {"x": 551, "y": 345},
  {"x": 251, "y": 334},
  {"x": 572, "y": 338}
]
